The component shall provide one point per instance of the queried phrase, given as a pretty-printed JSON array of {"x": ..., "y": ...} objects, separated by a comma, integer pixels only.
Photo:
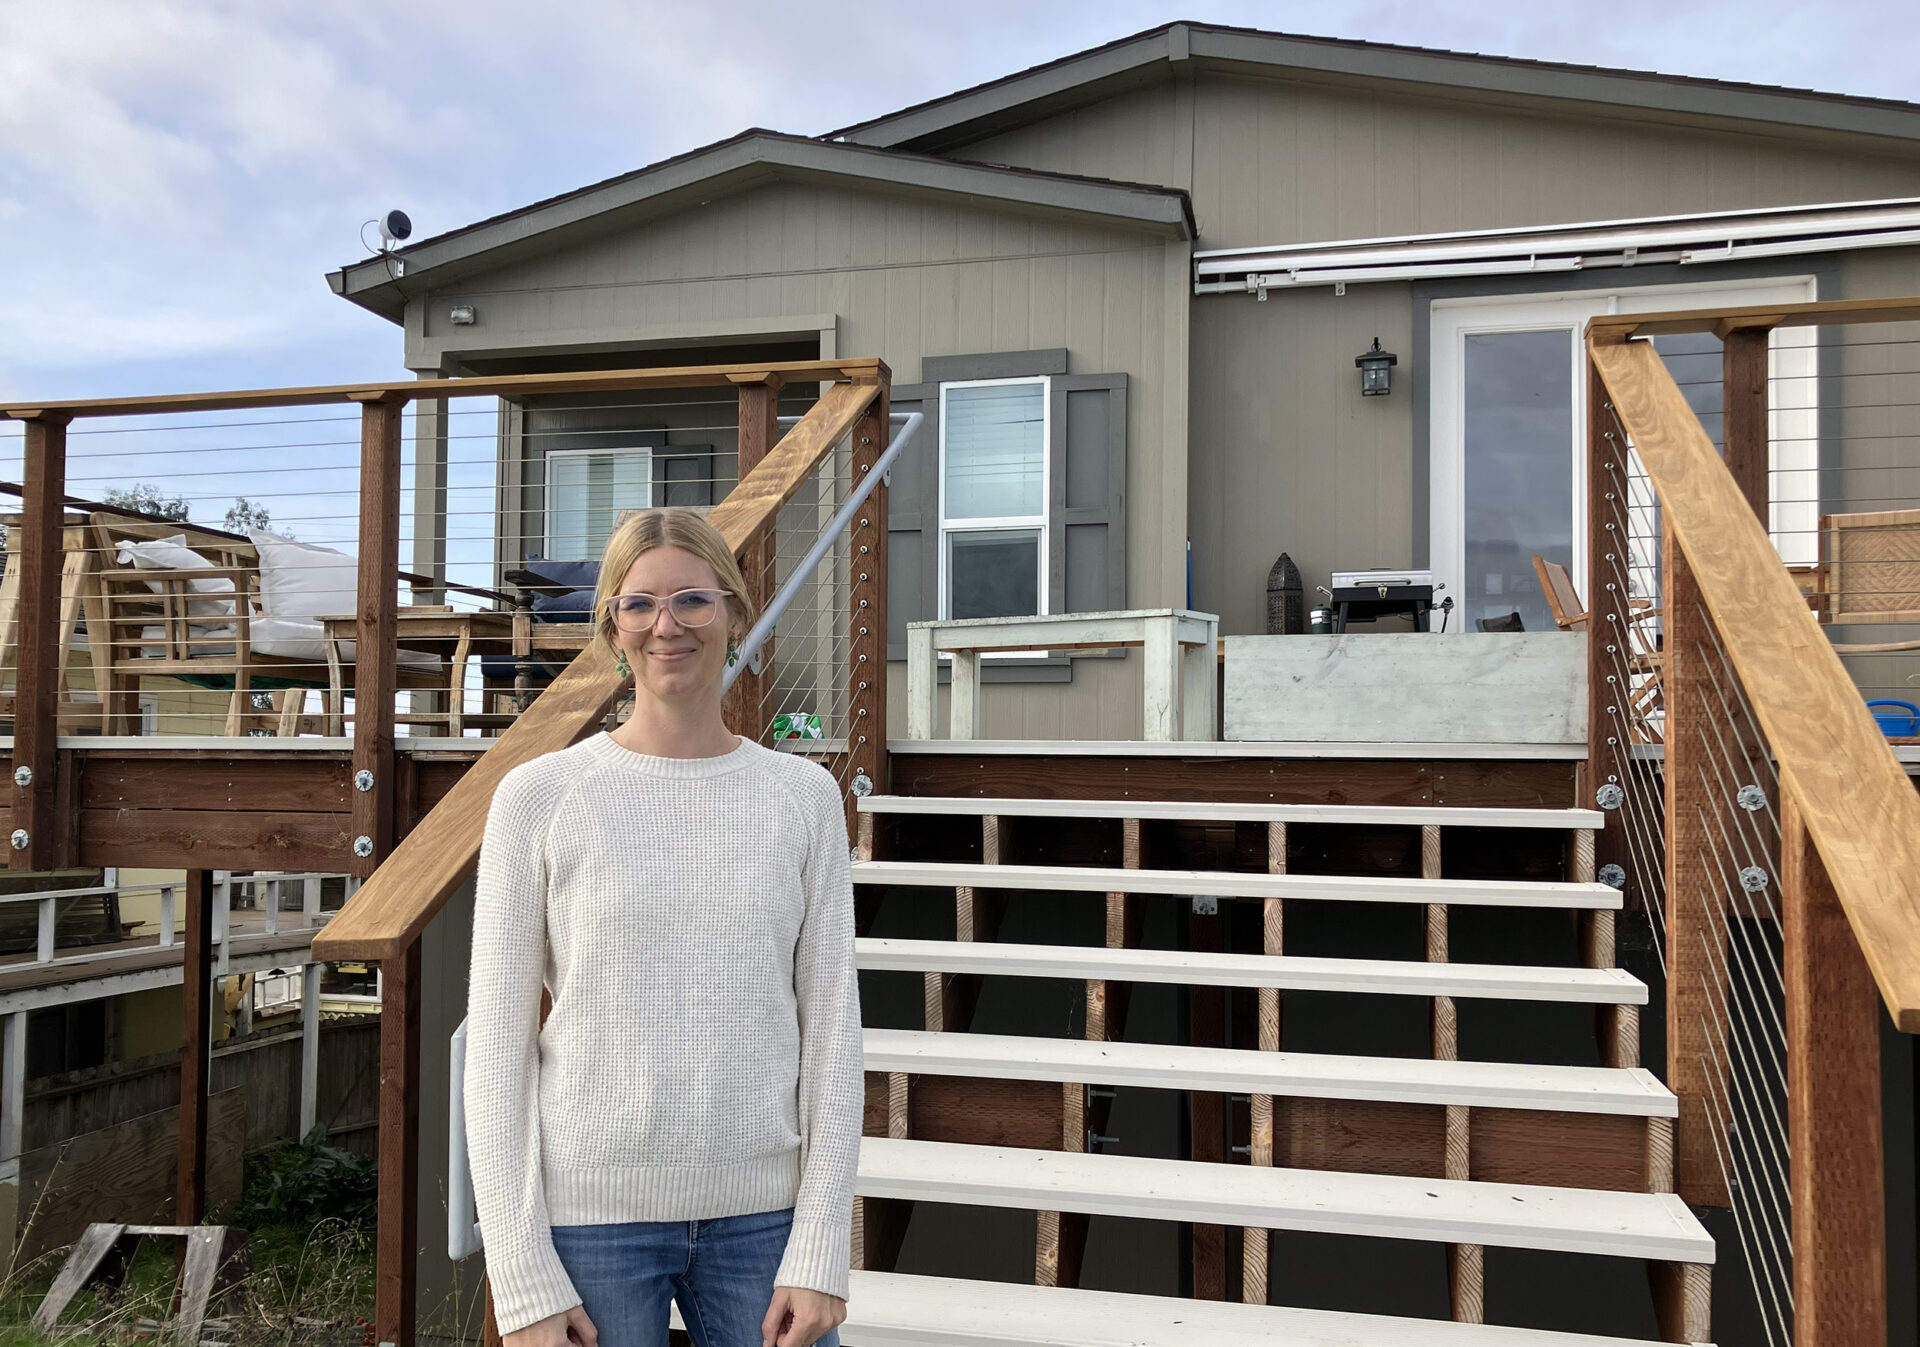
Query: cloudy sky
[{"x": 177, "y": 175}]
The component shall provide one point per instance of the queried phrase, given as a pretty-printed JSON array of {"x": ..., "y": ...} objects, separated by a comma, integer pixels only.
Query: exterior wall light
[
  {"x": 462, "y": 315},
  {"x": 1376, "y": 379}
]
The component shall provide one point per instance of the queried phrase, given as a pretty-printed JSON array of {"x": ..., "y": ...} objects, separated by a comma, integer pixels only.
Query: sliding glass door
[{"x": 1508, "y": 439}]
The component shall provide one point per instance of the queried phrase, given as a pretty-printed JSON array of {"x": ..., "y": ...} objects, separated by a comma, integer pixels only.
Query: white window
[
  {"x": 993, "y": 497},
  {"x": 586, "y": 491}
]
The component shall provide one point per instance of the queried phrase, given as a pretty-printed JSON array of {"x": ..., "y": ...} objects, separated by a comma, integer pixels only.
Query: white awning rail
[{"x": 1728, "y": 236}]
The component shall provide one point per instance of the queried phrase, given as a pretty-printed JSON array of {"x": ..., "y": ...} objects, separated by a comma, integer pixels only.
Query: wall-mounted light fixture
[
  {"x": 1375, "y": 366},
  {"x": 463, "y": 315}
]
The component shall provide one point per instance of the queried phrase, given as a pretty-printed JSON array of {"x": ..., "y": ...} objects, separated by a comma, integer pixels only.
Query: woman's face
[{"x": 669, "y": 660}]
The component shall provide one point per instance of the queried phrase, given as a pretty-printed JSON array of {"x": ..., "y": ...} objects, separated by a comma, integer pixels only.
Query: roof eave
[
  {"x": 733, "y": 166},
  {"x": 973, "y": 114}
]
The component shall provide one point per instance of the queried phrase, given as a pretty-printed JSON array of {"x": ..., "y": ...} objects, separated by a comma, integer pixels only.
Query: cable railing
[
  {"x": 406, "y": 545},
  {"x": 1761, "y": 821}
]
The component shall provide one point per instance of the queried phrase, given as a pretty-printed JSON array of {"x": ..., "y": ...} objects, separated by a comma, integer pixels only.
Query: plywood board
[
  {"x": 1408, "y": 687},
  {"x": 124, "y": 1173}
]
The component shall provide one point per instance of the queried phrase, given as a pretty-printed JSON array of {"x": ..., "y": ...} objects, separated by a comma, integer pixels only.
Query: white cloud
[{"x": 176, "y": 175}]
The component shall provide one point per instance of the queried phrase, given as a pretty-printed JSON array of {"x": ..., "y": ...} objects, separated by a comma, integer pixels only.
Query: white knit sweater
[{"x": 693, "y": 919}]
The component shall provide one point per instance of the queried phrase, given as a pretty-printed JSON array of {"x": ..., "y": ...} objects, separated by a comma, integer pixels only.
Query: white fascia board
[{"x": 1625, "y": 243}]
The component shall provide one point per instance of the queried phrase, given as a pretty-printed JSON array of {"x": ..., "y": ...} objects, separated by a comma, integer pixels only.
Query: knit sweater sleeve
[
  {"x": 503, "y": 1059},
  {"x": 832, "y": 1082}
]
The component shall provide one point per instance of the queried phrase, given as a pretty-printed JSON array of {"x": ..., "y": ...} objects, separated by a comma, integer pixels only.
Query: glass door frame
[{"x": 1453, "y": 320}]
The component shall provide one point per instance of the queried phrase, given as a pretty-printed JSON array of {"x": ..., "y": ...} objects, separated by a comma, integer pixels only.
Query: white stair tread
[
  {"x": 1304, "y": 1075},
  {"x": 1240, "y": 884},
  {"x": 1570, "y": 1220},
  {"x": 1510, "y": 982},
  {"x": 1216, "y": 811},
  {"x": 888, "y": 1309}
]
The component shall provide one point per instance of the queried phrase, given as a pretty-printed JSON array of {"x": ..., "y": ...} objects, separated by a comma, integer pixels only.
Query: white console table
[{"x": 1178, "y": 644}]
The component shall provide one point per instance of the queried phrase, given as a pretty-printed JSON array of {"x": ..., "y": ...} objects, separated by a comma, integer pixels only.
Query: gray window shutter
[
  {"x": 913, "y": 520},
  {"x": 1087, "y": 543},
  {"x": 683, "y": 474}
]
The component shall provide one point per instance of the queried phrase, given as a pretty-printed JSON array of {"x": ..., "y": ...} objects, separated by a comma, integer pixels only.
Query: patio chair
[
  {"x": 1868, "y": 573},
  {"x": 217, "y": 611},
  {"x": 1644, "y": 664}
]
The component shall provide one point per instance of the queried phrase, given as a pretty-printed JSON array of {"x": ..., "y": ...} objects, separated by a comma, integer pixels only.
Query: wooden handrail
[
  {"x": 1617, "y": 327},
  {"x": 387, "y": 915},
  {"x": 413, "y": 390},
  {"x": 1840, "y": 776}
]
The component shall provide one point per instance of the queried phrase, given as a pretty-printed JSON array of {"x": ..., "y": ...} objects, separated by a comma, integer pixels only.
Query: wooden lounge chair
[
  {"x": 1644, "y": 659},
  {"x": 1868, "y": 573},
  {"x": 206, "y": 624}
]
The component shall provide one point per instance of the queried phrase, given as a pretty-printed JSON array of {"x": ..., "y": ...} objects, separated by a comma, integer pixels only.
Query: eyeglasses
[{"x": 690, "y": 608}]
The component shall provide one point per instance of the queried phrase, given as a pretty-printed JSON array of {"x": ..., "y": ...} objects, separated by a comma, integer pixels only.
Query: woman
[{"x": 686, "y": 1123}]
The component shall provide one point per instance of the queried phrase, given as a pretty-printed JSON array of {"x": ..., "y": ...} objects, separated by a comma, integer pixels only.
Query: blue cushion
[
  {"x": 572, "y": 574},
  {"x": 574, "y": 606}
]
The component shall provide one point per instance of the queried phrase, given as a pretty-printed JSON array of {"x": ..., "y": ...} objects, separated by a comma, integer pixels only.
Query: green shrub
[{"x": 301, "y": 1184}]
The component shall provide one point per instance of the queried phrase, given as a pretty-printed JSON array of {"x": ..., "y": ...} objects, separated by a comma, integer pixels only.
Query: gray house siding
[
  {"x": 907, "y": 278},
  {"x": 1284, "y": 454}
]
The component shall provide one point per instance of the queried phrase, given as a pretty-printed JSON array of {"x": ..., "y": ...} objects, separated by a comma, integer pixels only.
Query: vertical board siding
[{"x": 905, "y": 278}]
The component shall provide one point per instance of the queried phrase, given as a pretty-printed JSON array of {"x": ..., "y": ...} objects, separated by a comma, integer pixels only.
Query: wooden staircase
[{"x": 1467, "y": 1154}]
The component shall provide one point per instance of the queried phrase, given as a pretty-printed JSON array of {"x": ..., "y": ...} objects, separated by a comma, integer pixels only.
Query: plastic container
[{"x": 1900, "y": 720}]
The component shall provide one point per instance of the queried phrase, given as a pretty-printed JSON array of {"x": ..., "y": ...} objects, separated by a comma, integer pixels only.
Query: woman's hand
[
  {"x": 797, "y": 1317},
  {"x": 559, "y": 1330}
]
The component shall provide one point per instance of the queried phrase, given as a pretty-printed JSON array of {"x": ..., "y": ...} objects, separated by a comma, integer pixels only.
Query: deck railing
[
  {"x": 809, "y": 471},
  {"x": 1762, "y": 820}
]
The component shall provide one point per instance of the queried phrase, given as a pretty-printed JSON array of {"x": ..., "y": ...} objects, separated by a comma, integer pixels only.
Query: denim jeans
[{"x": 721, "y": 1271}]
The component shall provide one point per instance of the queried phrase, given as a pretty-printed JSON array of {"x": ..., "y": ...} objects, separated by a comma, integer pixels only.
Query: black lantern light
[{"x": 1375, "y": 379}]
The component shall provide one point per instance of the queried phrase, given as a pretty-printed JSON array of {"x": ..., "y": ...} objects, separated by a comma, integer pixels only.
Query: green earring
[
  {"x": 733, "y": 651},
  {"x": 620, "y": 663}
]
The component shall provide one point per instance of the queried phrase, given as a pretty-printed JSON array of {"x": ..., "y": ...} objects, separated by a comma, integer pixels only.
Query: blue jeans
[{"x": 721, "y": 1271}]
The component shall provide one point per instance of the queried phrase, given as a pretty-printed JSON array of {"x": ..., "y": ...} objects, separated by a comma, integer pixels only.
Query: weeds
[{"x": 308, "y": 1278}]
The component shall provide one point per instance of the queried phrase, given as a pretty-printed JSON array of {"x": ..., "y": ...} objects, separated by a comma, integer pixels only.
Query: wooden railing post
[
  {"x": 375, "y": 682},
  {"x": 36, "y": 703},
  {"x": 1696, "y": 954},
  {"x": 745, "y": 708},
  {"x": 1745, "y": 433},
  {"x": 1833, "y": 1108},
  {"x": 867, "y": 616},
  {"x": 196, "y": 1029},
  {"x": 398, "y": 1236},
  {"x": 375, "y": 666}
]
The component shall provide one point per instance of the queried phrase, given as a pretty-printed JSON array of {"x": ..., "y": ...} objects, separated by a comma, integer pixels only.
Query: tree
[
  {"x": 246, "y": 515},
  {"x": 145, "y": 497}
]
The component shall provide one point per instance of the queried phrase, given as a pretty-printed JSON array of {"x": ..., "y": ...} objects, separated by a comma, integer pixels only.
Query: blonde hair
[{"x": 668, "y": 527}]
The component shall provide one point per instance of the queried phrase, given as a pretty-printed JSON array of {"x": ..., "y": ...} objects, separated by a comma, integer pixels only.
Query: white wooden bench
[
  {"x": 1179, "y": 648},
  {"x": 1239, "y": 884},
  {"x": 1287, "y": 972}
]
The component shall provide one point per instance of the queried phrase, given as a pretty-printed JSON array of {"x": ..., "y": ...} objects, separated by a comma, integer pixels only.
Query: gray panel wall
[
  {"x": 1285, "y": 454},
  {"x": 902, "y": 278}
]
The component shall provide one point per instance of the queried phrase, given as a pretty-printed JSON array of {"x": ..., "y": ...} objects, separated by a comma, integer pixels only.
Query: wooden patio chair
[
  {"x": 169, "y": 622},
  {"x": 1644, "y": 664},
  {"x": 1868, "y": 573}
]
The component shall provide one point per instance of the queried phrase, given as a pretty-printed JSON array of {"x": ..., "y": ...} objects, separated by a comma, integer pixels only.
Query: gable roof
[
  {"x": 1148, "y": 58},
  {"x": 383, "y": 282}
]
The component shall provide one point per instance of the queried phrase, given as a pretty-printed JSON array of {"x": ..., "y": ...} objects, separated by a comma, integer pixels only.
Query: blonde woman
[{"x": 685, "y": 1125}]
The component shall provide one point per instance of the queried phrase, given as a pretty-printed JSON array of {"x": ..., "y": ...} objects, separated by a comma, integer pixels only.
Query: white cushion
[
  {"x": 292, "y": 638},
  {"x": 300, "y": 580},
  {"x": 173, "y": 554}
]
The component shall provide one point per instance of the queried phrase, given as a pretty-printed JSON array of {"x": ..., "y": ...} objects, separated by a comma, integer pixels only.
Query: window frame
[
  {"x": 1040, "y": 523},
  {"x": 644, "y": 451}
]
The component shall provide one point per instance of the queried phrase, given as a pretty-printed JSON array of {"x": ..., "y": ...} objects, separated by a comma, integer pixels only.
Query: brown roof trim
[
  {"x": 753, "y": 156},
  {"x": 1082, "y": 77}
]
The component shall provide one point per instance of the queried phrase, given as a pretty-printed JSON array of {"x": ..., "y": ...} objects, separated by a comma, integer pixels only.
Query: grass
[{"x": 308, "y": 1282}]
